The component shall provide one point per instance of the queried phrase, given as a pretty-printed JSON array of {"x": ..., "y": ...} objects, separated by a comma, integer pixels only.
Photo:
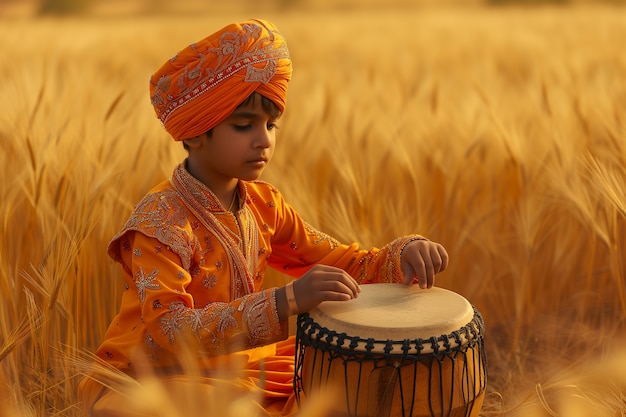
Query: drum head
[{"x": 396, "y": 312}]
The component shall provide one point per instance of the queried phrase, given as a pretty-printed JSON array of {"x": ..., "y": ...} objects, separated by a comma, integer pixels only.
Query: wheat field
[{"x": 499, "y": 132}]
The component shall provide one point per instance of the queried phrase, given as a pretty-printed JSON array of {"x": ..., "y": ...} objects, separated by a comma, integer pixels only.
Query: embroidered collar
[
  {"x": 202, "y": 193},
  {"x": 242, "y": 249}
]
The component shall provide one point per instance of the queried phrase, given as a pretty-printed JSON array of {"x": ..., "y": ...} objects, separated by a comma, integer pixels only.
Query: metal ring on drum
[{"x": 394, "y": 351}]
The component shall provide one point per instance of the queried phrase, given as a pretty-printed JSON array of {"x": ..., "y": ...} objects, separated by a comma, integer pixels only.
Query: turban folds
[{"x": 205, "y": 82}]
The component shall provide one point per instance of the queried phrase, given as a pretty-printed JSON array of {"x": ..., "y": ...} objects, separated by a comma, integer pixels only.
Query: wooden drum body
[{"x": 395, "y": 350}]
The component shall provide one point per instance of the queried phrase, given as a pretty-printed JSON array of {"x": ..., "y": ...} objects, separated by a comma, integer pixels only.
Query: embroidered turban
[{"x": 205, "y": 82}]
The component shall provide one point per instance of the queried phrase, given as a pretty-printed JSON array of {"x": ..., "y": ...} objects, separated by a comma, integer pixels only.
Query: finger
[
  {"x": 339, "y": 275},
  {"x": 310, "y": 292},
  {"x": 414, "y": 268},
  {"x": 419, "y": 268},
  {"x": 352, "y": 284},
  {"x": 426, "y": 281},
  {"x": 444, "y": 258},
  {"x": 334, "y": 296},
  {"x": 408, "y": 274},
  {"x": 436, "y": 254},
  {"x": 430, "y": 276},
  {"x": 436, "y": 260},
  {"x": 337, "y": 286}
]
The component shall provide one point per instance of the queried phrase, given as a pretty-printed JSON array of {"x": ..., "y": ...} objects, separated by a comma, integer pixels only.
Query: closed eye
[
  {"x": 246, "y": 127},
  {"x": 242, "y": 128}
]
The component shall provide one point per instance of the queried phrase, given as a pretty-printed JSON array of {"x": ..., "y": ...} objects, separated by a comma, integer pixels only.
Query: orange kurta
[{"x": 194, "y": 277}]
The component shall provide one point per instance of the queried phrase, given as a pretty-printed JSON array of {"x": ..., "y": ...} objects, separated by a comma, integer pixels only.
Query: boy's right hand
[{"x": 324, "y": 283}]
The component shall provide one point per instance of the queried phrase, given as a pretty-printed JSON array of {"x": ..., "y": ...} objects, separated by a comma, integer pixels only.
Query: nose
[{"x": 265, "y": 138}]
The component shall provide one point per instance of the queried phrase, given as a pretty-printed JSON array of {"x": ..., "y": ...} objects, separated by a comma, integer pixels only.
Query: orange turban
[{"x": 205, "y": 82}]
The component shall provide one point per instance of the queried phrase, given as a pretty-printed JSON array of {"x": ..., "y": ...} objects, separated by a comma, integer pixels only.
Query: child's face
[{"x": 241, "y": 146}]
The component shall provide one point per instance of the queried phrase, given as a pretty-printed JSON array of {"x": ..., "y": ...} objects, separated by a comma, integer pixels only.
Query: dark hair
[{"x": 268, "y": 107}]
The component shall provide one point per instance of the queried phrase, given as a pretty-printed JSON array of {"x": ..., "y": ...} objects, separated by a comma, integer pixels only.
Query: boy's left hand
[{"x": 421, "y": 261}]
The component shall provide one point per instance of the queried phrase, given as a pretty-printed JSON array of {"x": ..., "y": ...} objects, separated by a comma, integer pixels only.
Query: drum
[{"x": 395, "y": 350}]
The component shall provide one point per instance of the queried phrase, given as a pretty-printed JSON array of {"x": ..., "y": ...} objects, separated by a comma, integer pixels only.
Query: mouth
[
  {"x": 261, "y": 159},
  {"x": 258, "y": 161}
]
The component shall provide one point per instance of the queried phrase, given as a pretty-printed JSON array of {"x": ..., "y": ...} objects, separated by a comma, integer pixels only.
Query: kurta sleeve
[
  {"x": 297, "y": 246},
  {"x": 170, "y": 314}
]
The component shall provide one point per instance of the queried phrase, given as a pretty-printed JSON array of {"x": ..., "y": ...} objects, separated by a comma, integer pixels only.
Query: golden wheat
[{"x": 497, "y": 132}]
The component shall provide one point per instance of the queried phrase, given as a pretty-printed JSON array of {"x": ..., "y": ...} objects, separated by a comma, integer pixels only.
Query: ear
[{"x": 196, "y": 141}]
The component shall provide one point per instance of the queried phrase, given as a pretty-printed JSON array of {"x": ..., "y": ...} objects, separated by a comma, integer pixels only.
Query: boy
[{"x": 195, "y": 249}]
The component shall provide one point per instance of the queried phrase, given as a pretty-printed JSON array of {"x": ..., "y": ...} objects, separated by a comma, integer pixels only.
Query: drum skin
[{"x": 393, "y": 351}]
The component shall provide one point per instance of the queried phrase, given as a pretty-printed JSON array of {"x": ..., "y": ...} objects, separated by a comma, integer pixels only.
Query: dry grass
[{"x": 499, "y": 133}]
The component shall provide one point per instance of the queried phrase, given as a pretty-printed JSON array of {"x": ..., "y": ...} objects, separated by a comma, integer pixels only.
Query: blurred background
[
  {"x": 25, "y": 8},
  {"x": 496, "y": 127}
]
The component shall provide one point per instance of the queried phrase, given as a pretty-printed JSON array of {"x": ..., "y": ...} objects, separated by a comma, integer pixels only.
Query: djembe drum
[{"x": 395, "y": 350}]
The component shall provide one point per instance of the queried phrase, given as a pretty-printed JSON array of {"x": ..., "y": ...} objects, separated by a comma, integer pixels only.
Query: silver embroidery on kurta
[
  {"x": 152, "y": 347},
  {"x": 254, "y": 318},
  {"x": 145, "y": 282},
  {"x": 320, "y": 237},
  {"x": 184, "y": 320},
  {"x": 161, "y": 216}
]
